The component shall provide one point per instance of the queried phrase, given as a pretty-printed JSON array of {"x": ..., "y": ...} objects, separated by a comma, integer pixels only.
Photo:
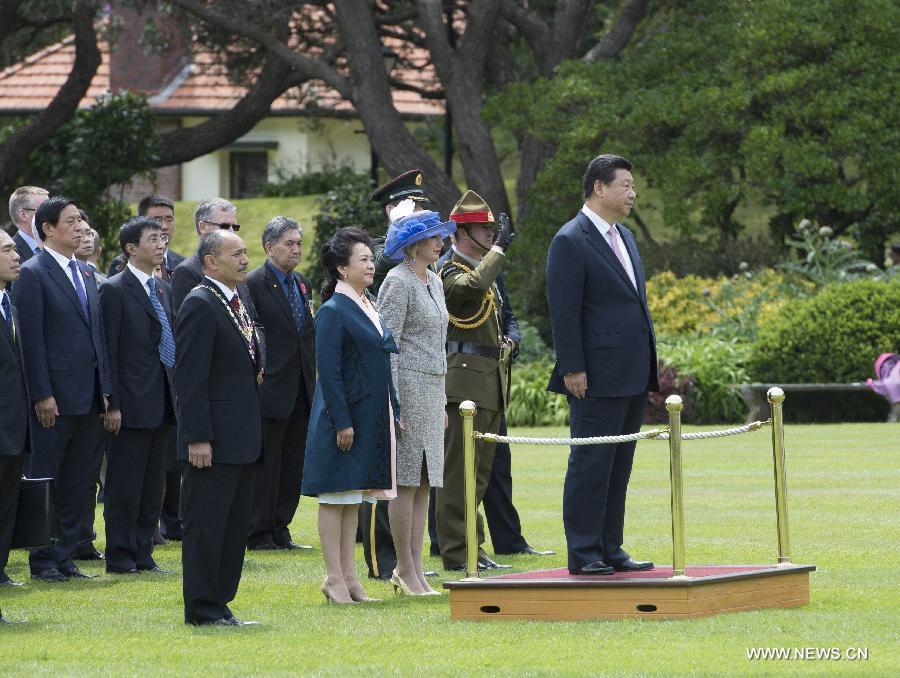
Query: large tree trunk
[
  {"x": 461, "y": 70},
  {"x": 371, "y": 95},
  {"x": 15, "y": 151}
]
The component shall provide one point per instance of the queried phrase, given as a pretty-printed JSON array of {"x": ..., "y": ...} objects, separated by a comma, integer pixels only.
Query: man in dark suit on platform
[
  {"x": 162, "y": 209},
  {"x": 13, "y": 406},
  {"x": 23, "y": 204},
  {"x": 67, "y": 375},
  {"x": 218, "y": 369},
  {"x": 138, "y": 321},
  {"x": 606, "y": 362},
  {"x": 281, "y": 296}
]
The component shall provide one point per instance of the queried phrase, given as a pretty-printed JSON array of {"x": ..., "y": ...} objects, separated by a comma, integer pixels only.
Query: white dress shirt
[
  {"x": 227, "y": 291},
  {"x": 29, "y": 240},
  {"x": 604, "y": 227},
  {"x": 142, "y": 277},
  {"x": 2, "y": 296},
  {"x": 64, "y": 264}
]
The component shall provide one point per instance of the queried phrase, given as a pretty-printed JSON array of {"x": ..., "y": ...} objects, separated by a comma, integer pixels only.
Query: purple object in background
[{"x": 887, "y": 367}]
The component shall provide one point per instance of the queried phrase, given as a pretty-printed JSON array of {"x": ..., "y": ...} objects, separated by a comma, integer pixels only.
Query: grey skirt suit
[{"x": 417, "y": 317}]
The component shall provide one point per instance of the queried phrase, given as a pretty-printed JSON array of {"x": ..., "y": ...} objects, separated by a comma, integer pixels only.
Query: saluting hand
[
  {"x": 200, "y": 454},
  {"x": 345, "y": 439},
  {"x": 576, "y": 383}
]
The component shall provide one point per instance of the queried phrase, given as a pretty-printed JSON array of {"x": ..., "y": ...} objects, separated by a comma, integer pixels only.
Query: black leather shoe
[
  {"x": 291, "y": 546},
  {"x": 154, "y": 568},
  {"x": 597, "y": 567},
  {"x": 430, "y": 573},
  {"x": 632, "y": 565},
  {"x": 51, "y": 575},
  {"x": 4, "y": 620},
  {"x": 75, "y": 573},
  {"x": 6, "y": 581},
  {"x": 462, "y": 568},
  {"x": 90, "y": 554},
  {"x": 528, "y": 551},
  {"x": 491, "y": 565},
  {"x": 262, "y": 547},
  {"x": 121, "y": 570},
  {"x": 240, "y": 622},
  {"x": 230, "y": 621}
]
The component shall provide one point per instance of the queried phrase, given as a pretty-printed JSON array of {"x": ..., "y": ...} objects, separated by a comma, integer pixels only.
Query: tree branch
[
  {"x": 15, "y": 151},
  {"x": 307, "y": 66},
  {"x": 618, "y": 36}
]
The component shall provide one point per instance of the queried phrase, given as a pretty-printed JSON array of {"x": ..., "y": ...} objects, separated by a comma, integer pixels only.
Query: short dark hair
[
  {"x": 603, "y": 169},
  {"x": 83, "y": 215},
  {"x": 336, "y": 252},
  {"x": 154, "y": 201},
  {"x": 210, "y": 244},
  {"x": 131, "y": 232},
  {"x": 48, "y": 213}
]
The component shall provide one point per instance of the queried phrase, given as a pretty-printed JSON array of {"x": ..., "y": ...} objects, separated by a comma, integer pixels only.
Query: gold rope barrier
[
  {"x": 775, "y": 397},
  {"x": 467, "y": 412},
  {"x": 674, "y": 406}
]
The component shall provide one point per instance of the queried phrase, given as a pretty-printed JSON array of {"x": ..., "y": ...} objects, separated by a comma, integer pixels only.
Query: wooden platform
[{"x": 555, "y": 595}]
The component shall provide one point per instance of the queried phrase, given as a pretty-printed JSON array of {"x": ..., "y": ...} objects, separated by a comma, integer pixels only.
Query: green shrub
[
  {"x": 288, "y": 183},
  {"x": 712, "y": 364},
  {"x": 530, "y": 403},
  {"x": 832, "y": 337}
]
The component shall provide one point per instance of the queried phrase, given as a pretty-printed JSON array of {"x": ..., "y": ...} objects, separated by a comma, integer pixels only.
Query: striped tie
[{"x": 166, "y": 341}]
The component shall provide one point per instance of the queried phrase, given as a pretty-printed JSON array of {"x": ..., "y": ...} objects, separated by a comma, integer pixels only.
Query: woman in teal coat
[{"x": 350, "y": 447}]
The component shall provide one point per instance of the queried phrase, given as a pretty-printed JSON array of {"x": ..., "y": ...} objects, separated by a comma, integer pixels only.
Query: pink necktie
[{"x": 617, "y": 247}]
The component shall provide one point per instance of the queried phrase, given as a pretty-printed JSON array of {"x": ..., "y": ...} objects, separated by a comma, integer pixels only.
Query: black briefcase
[{"x": 37, "y": 519}]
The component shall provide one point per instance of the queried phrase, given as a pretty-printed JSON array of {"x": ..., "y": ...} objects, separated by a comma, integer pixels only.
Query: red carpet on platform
[{"x": 659, "y": 572}]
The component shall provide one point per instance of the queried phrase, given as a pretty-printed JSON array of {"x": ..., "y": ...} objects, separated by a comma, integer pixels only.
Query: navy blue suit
[
  {"x": 65, "y": 357},
  {"x": 142, "y": 391},
  {"x": 601, "y": 325}
]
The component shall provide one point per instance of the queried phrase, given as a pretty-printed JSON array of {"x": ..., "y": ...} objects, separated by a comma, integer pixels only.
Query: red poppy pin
[
  {"x": 87, "y": 274},
  {"x": 303, "y": 289}
]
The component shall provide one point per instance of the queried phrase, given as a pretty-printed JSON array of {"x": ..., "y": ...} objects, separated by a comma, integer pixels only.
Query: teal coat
[{"x": 353, "y": 385}]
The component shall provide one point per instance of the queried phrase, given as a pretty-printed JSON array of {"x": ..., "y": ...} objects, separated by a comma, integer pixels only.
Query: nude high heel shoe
[
  {"x": 330, "y": 599},
  {"x": 400, "y": 585}
]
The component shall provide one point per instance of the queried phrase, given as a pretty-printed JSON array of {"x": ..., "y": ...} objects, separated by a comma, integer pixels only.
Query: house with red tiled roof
[{"x": 308, "y": 128}]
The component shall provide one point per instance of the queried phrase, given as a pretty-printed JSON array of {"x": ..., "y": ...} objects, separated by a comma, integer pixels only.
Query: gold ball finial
[
  {"x": 467, "y": 408},
  {"x": 674, "y": 403},
  {"x": 775, "y": 395}
]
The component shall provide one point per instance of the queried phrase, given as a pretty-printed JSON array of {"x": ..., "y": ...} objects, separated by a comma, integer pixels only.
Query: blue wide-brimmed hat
[{"x": 417, "y": 226}]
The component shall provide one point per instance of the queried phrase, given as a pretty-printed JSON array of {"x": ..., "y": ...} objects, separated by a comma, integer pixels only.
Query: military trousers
[{"x": 451, "y": 499}]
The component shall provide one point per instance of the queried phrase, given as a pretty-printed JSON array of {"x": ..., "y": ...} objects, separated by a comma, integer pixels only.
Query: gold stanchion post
[
  {"x": 775, "y": 396},
  {"x": 674, "y": 405},
  {"x": 467, "y": 411}
]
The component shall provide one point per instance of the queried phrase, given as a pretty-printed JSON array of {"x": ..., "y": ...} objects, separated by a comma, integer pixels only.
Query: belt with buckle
[{"x": 469, "y": 348}]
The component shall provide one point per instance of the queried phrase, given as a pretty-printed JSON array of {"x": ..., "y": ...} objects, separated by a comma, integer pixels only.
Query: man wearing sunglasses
[{"x": 211, "y": 215}]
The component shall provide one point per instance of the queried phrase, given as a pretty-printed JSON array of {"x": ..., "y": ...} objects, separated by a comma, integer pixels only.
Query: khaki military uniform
[{"x": 477, "y": 370}]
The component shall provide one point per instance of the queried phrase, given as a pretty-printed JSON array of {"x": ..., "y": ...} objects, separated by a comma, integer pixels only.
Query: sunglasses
[{"x": 233, "y": 227}]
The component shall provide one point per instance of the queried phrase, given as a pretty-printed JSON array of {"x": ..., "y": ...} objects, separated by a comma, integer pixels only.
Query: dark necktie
[
  {"x": 164, "y": 268},
  {"x": 79, "y": 288},
  {"x": 7, "y": 311},
  {"x": 294, "y": 301},
  {"x": 166, "y": 340}
]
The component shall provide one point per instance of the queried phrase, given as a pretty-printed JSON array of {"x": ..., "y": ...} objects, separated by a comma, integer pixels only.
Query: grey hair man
[
  {"x": 282, "y": 299},
  {"x": 23, "y": 203},
  {"x": 213, "y": 214}
]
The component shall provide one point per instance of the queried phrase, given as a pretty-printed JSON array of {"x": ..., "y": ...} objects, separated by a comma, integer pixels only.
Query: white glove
[{"x": 403, "y": 209}]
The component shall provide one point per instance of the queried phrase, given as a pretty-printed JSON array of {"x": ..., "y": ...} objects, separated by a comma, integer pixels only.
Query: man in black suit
[
  {"x": 13, "y": 405},
  {"x": 218, "y": 369},
  {"x": 282, "y": 296},
  {"x": 138, "y": 321},
  {"x": 67, "y": 375},
  {"x": 162, "y": 209},
  {"x": 606, "y": 362},
  {"x": 23, "y": 204}
]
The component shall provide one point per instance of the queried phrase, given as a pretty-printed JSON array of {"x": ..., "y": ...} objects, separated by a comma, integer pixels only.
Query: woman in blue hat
[{"x": 411, "y": 302}]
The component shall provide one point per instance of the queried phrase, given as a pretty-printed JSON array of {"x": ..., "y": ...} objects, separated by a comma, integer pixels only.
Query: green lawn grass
[{"x": 845, "y": 517}]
